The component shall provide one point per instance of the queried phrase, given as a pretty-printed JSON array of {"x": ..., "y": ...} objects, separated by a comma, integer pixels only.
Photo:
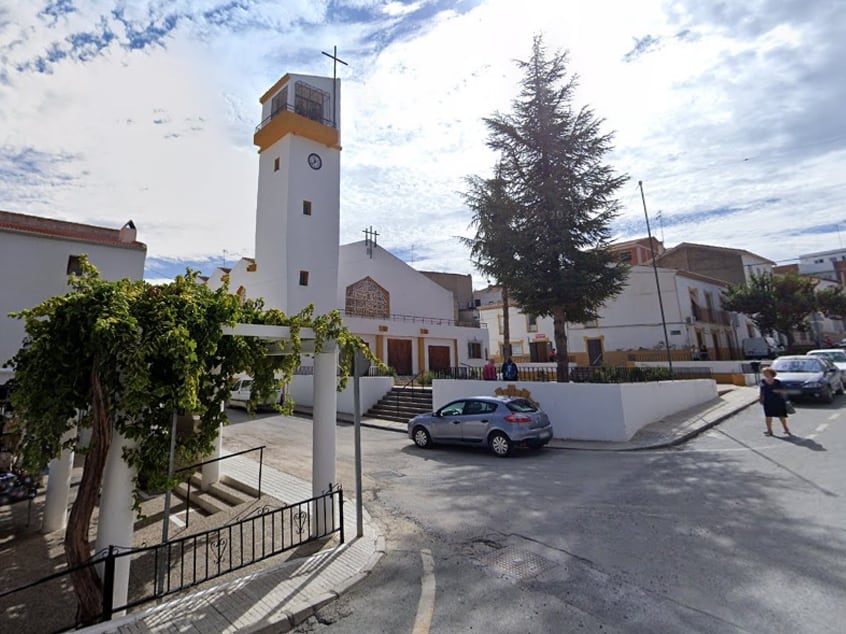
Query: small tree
[
  {"x": 124, "y": 357},
  {"x": 493, "y": 214},
  {"x": 557, "y": 260},
  {"x": 831, "y": 302},
  {"x": 775, "y": 303}
]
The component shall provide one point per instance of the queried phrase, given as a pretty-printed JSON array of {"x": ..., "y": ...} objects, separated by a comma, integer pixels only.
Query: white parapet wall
[
  {"x": 592, "y": 411},
  {"x": 372, "y": 388}
]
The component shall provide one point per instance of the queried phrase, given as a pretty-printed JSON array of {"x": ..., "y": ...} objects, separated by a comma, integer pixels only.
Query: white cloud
[{"x": 736, "y": 113}]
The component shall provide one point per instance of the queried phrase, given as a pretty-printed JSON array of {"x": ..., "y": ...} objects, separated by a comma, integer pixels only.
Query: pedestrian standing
[
  {"x": 489, "y": 371},
  {"x": 509, "y": 370},
  {"x": 773, "y": 399}
]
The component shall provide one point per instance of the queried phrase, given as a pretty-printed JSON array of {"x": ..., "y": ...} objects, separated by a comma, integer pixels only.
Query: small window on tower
[
  {"x": 276, "y": 164},
  {"x": 74, "y": 265},
  {"x": 303, "y": 278},
  {"x": 306, "y": 207}
]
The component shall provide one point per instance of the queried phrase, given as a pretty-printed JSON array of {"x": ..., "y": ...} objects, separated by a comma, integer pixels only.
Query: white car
[
  {"x": 835, "y": 355},
  {"x": 240, "y": 396}
]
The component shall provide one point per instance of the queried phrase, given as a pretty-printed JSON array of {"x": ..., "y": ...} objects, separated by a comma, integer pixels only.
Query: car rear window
[
  {"x": 521, "y": 405},
  {"x": 798, "y": 365}
]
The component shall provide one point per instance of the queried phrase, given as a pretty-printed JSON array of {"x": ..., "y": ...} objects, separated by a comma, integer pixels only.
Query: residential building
[
  {"x": 733, "y": 266},
  {"x": 38, "y": 254},
  {"x": 829, "y": 265},
  {"x": 630, "y": 326}
]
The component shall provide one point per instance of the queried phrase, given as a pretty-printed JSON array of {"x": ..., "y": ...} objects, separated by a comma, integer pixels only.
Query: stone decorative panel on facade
[{"x": 366, "y": 298}]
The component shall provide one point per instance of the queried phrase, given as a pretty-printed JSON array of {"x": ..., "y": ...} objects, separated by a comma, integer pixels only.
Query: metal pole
[
  {"x": 166, "y": 517},
  {"x": 359, "y": 507},
  {"x": 657, "y": 284}
]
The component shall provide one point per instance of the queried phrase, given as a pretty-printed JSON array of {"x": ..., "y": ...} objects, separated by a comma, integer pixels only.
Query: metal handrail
[
  {"x": 205, "y": 462},
  {"x": 403, "y": 388}
]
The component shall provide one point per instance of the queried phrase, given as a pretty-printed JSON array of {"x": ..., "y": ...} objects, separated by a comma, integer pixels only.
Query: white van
[
  {"x": 240, "y": 395},
  {"x": 761, "y": 348}
]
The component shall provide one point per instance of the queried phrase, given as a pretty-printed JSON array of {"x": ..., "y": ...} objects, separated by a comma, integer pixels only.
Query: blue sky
[{"x": 730, "y": 114}]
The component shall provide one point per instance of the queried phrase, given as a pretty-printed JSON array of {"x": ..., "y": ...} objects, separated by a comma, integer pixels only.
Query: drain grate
[{"x": 517, "y": 563}]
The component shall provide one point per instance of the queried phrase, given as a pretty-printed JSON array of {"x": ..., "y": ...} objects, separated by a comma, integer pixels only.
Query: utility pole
[{"x": 657, "y": 283}]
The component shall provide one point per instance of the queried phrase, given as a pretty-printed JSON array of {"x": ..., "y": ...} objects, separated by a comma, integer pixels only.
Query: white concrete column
[
  {"x": 323, "y": 426},
  {"x": 211, "y": 471},
  {"x": 116, "y": 519},
  {"x": 58, "y": 488}
]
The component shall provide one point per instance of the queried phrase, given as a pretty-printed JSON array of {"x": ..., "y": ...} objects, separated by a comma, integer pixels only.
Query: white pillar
[
  {"x": 116, "y": 520},
  {"x": 324, "y": 419},
  {"x": 58, "y": 488},
  {"x": 211, "y": 471}
]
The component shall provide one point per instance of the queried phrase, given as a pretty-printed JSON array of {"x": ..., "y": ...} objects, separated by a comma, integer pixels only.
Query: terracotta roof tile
[{"x": 37, "y": 225}]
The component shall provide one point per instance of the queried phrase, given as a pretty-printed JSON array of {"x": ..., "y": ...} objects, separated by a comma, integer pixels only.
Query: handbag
[{"x": 788, "y": 405}]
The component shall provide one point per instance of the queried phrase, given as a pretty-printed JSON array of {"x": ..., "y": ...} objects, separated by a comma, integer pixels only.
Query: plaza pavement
[{"x": 277, "y": 599}]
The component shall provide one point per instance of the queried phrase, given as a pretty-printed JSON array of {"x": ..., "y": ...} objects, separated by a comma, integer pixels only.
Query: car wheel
[
  {"x": 828, "y": 395},
  {"x": 500, "y": 445},
  {"x": 422, "y": 438}
]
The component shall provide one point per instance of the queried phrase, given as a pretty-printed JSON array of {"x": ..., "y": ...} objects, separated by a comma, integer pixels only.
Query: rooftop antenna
[
  {"x": 224, "y": 258},
  {"x": 370, "y": 240},
  {"x": 335, "y": 59}
]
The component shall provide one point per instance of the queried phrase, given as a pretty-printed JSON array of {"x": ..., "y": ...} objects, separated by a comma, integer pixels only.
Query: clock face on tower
[{"x": 314, "y": 161}]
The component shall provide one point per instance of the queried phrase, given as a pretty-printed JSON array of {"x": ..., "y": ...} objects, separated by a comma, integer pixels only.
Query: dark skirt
[{"x": 775, "y": 407}]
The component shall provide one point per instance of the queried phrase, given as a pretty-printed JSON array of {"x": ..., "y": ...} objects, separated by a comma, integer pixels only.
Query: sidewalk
[{"x": 278, "y": 599}]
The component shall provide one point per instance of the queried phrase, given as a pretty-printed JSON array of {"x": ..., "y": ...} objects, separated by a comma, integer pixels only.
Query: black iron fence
[
  {"x": 582, "y": 374},
  {"x": 163, "y": 569}
]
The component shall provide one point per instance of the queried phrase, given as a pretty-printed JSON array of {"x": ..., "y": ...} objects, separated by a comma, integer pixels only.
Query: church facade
[{"x": 409, "y": 321}]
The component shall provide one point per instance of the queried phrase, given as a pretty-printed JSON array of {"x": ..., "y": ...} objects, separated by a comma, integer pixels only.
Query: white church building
[{"x": 408, "y": 320}]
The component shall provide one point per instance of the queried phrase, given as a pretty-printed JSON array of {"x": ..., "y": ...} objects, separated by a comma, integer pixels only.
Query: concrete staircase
[
  {"x": 402, "y": 403},
  {"x": 220, "y": 496}
]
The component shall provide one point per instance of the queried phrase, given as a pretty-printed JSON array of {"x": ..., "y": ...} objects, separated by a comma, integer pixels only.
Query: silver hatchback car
[{"x": 500, "y": 422}]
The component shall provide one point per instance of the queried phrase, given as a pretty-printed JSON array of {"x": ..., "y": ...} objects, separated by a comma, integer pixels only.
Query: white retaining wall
[
  {"x": 372, "y": 388},
  {"x": 593, "y": 411}
]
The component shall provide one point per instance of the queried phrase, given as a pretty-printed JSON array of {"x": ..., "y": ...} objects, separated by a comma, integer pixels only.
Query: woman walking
[{"x": 772, "y": 398}]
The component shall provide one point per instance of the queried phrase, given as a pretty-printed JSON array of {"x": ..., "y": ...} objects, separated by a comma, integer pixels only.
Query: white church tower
[{"x": 298, "y": 207}]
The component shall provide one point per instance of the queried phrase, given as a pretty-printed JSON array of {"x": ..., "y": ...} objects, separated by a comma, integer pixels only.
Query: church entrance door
[
  {"x": 399, "y": 356},
  {"x": 439, "y": 358}
]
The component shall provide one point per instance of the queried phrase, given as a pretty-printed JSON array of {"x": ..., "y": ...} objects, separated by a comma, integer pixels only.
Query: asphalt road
[{"x": 731, "y": 532}]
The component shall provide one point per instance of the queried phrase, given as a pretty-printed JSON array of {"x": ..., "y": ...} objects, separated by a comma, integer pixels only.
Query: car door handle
[{"x": 456, "y": 422}]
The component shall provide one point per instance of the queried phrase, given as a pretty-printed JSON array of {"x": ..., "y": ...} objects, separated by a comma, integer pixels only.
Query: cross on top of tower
[{"x": 335, "y": 59}]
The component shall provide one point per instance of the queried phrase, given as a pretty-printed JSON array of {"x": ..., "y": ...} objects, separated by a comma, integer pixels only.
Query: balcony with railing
[{"x": 416, "y": 319}]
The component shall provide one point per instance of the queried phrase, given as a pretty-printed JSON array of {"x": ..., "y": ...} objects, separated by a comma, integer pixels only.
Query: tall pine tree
[{"x": 563, "y": 200}]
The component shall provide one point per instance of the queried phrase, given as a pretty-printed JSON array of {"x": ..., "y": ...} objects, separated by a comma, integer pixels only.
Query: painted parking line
[
  {"x": 834, "y": 416},
  {"x": 820, "y": 429},
  {"x": 426, "y": 604}
]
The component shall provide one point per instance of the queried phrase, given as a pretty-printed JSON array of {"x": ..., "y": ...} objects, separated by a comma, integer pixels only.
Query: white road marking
[
  {"x": 834, "y": 416},
  {"x": 426, "y": 604}
]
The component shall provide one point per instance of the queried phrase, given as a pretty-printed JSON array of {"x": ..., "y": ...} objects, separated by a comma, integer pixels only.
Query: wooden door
[
  {"x": 399, "y": 356},
  {"x": 439, "y": 358},
  {"x": 594, "y": 350}
]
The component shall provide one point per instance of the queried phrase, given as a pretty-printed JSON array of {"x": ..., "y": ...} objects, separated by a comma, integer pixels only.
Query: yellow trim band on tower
[{"x": 291, "y": 123}]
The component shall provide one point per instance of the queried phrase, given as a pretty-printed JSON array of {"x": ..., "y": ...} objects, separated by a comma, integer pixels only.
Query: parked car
[
  {"x": 761, "y": 348},
  {"x": 835, "y": 355},
  {"x": 499, "y": 422},
  {"x": 806, "y": 376},
  {"x": 240, "y": 394}
]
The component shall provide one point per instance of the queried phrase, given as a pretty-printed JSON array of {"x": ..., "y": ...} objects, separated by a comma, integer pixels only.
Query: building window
[
  {"x": 303, "y": 278},
  {"x": 531, "y": 323},
  {"x": 474, "y": 350},
  {"x": 276, "y": 164},
  {"x": 74, "y": 265},
  {"x": 306, "y": 207},
  {"x": 499, "y": 323},
  {"x": 279, "y": 102},
  {"x": 309, "y": 101}
]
